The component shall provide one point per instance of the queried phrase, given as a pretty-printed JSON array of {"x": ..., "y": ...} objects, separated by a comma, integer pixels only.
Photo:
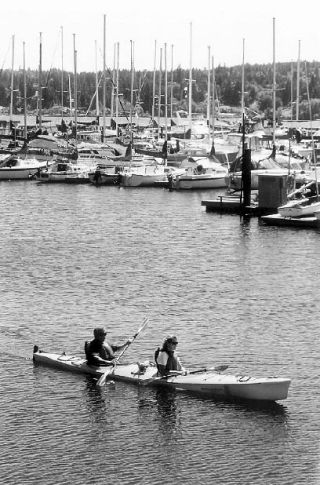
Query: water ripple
[{"x": 234, "y": 292}]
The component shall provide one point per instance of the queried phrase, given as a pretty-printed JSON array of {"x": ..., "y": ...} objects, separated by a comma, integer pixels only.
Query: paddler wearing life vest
[
  {"x": 166, "y": 358},
  {"x": 99, "y": 351}
]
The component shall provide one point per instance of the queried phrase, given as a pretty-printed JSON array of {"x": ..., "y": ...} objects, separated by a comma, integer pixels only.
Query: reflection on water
[
  {"x": 168, "y": 413},
  {"x": 95, "y": 399}
]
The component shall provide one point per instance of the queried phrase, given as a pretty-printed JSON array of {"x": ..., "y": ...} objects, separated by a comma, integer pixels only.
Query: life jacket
[
  {"x": 170, "y": 361},
  {"x": 86, "y": 345},
  {"x": 105, "y": 351}
]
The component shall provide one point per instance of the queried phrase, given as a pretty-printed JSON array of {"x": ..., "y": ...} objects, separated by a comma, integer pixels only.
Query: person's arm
[
  {"x": 99, "y": 360},
  {"x": 116, "y": 348}
]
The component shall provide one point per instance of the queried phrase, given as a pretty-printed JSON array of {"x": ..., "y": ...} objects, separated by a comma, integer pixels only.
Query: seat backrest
[
  {"x": 86, "y": 345},
  {"x": 156, "y": 355}
]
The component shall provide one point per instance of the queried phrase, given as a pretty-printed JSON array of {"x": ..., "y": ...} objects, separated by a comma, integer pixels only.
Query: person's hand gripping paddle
[{"x": 101, "y": 381}]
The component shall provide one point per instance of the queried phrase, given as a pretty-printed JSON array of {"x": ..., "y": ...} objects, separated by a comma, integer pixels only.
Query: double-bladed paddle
[
  {"x": 101, "y": 381},
  {"x": 218, "y": 368}
]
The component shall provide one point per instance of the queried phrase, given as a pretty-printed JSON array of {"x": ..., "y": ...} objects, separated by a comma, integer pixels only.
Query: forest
[{"x": 258, "y": 90}]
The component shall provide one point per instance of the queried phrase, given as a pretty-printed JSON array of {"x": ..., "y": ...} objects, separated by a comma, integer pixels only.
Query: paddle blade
[{"x": 102, "y": 380}]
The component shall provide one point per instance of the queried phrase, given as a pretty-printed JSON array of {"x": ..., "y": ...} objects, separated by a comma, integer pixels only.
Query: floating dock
[
  {"x": 234, "y": 205},
  {"x": 224, "y": 204}
]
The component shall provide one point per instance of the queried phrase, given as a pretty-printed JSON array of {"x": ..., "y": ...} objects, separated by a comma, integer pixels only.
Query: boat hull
[
  {"x": 141, "y": 180},
  {"x": 17, "y": 173},
  {"x": 52, "y": 177},
  {"x": 296, "y": 209},
  {"x": 28, "y": 171},
  {"x": 104, "y": 178},
  {"x": 209, "y": 383},
  {"x": 185, "y": 182}
]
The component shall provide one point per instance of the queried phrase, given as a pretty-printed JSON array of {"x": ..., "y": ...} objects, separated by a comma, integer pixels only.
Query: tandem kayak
[{"x": 206, "y": 382}]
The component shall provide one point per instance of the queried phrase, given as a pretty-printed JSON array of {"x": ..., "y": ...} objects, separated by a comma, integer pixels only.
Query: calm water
[{"x": 240, "y": 293}]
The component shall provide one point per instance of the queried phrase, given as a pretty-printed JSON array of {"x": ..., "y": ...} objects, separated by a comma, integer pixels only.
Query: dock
[{"x": 234, "y": 205}]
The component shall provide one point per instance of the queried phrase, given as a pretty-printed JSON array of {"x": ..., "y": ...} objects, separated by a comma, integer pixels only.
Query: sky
[{"x": 222, "y": 25}]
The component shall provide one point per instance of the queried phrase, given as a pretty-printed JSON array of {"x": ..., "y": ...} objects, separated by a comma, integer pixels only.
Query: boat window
[
  {"x": 11, "y": 163},
  {"x": 62, "y": 167}
]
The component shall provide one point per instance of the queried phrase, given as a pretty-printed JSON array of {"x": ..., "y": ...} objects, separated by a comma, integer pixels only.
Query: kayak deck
[{"x": 209, "y": 383}]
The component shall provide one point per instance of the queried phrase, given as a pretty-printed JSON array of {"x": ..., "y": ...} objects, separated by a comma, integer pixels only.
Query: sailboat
[
  {"x": 302, "y": 205},
  {"x": 17, "y": 166}
]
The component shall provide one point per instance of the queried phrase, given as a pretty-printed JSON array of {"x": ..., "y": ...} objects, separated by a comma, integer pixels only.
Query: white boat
[
  {"x": 99, "y": 153},
  {"x": 262, "y": 164},
  {"x": 13, "y": 167},
  {"x": 144, "y": 171},
  {"x": 206, "y": 382},
  {"x": 299, "y": 208},
  {"x": 203, "y": 173},
  {"x": 105, "y": 175},
  {"x": 66, "y": 171}
]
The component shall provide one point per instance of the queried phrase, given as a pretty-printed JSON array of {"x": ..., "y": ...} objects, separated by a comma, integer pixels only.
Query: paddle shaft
[
  {"x": 103, "y": 377},
  {"x": 218, "y": 368}
]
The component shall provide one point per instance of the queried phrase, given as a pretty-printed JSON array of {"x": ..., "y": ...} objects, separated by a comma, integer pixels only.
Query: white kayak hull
[{"x": 209, "y": 383}]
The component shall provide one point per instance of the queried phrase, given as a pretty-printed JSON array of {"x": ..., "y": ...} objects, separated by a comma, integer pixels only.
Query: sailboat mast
[
  {"x": 154, "y": 78},
  {"x": 24, "y": 93},
  {"x": 113, "y": 79},
  {"x": 70, "y": 94},
  {"x": 213, "y": 98},
  {"x": 171, "y": 84},
  {"x": 291, "y": 103},
  {"x": 209, "y": 92},
  {"x": 40, "y": 86},
  {"x": 165, "y": 93},
  {"x": 274, "y": 86},
  {"x": 97, "y": 79},
  {"x": 242, "y": 81},
  {"x": 62, "y": 71},
  {"x": 298, "y": 81},
  {"x": 159, "y": 94},
  {"x": 104, "y": 80},
  {"x": 242, "y": 99},
  {"x": 131, "y": 93},
  {"x": 312, "y": 140},
  {"x": 75, "y": 103},
  {"x": 117, "y": 87},
  {"x": 11, "y": 85},
  {"x": 190, "y": 80}
]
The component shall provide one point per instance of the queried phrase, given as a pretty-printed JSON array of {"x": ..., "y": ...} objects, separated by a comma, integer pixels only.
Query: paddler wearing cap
[
  {"x": 166, "y": 358},
  {"x": 99, "y": 351}
]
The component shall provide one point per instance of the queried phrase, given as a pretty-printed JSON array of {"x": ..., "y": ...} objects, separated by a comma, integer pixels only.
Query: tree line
[{"x": 258, "y": 89}]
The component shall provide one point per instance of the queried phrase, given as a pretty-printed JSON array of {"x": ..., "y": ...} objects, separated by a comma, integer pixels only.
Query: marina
[{"x": 159, "y": 183}]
